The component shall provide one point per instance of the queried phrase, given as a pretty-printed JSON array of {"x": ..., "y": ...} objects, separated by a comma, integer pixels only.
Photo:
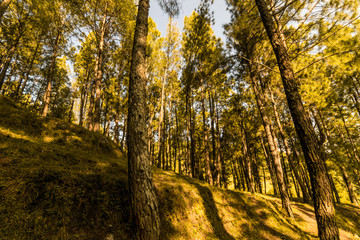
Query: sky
[{"x": 187, "y": 6}]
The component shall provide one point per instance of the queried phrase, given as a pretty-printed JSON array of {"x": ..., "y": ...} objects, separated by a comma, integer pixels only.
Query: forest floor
[{"x": 60, "y": 181}]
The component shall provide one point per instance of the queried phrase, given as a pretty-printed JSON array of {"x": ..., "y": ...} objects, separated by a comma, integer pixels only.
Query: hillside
[{"x": 60, "y": 181}]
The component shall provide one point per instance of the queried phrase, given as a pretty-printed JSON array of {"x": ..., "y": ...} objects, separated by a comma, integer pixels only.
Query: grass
[{"x": 60, "y": 181}]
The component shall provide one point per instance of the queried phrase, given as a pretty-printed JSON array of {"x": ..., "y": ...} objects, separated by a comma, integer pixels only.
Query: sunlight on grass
[
  {"x": 48, "y": 139},
  {"x": 8, "y": 132}
]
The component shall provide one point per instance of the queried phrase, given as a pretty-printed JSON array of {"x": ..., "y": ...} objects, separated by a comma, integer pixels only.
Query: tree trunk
[
  {"x": 313, "y": 151},
  {"x": 213, "y": 141},
  {"x": 177, "y": 142},
  {"x": 20, "y": 89},
  {"x": 168, "y": 145},
  {"x": 47, "y": 94},
  {"x": 91, "y": 108},
  {"x": 192, "y": 142},
  {"x": 306, "y": 195},
  {"x": 263, "y": 170},
  {"x": 123, "y": 132},
  {"x": 270, "y": 167},
  {"x": 161, "y": 119},
  {"x": 274, "y": 149},
  {"x": 247, "y": 162},
  {"x": 98, "y": 73},
  {"x": 219, "y": 161},
  {"x": 334, "y": 152},
  {"x": 353, "y": 145},
  {"x": 83, "y": 95},
  {"x": 337, "y": 197},
  {"x": 6, "y": 62},
  {"x": 144, "y": 204},
  {"x": 205, "y": 140},
  {"x": 349, "y": 186}
]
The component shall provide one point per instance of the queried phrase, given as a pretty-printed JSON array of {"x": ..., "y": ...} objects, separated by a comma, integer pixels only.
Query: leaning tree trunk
[
  {"x": 270, "y": 166},
  {"x": 21, "y": 86},
  {"x": 274, "y": 149},
  {"x": 353, "y": 145},
  {"x": 306, "y": 195},
  {"x": 313, "y": 151},
  {"x": 7, "y": 60},
  {"x": 325, "y": 131},
  {"x": 349, "y": 186},
  {"x": 144, "y": 204}
]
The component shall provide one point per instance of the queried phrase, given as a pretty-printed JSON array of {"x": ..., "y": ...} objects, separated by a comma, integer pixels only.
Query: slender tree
[{"x": 313, "y": 150}]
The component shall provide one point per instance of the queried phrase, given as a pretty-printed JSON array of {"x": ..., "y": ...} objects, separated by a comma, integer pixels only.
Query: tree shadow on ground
[
  {"x": 255, "y": 210},
  {"x": 169, "y": 202},
  {"x": 348, "y": 216},
  {"x": 212, "y": 213}
]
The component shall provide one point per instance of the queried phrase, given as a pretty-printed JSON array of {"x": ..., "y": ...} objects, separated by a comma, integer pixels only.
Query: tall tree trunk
[
  {"x": 274, "y": 149},
  {"x": 187, "y": 110},
  {"x": 353, "y": 145},
  {"x": 168, "y": 145},
  {"x": 192, "y": 141},
  {"x": 213, "y": 141},
  {"x": 219, "y": 161},
  {"x": 83, "y": 95},
  {"x": 337, "y": 197},
  {"x": 6, "y": 62},
  {"x": 144, "y": 204},
  {"x": 91, "y": 107},
  {"x": 161, "y": 120},
  {"x": 117, "y": 128},
  {"x": 349, "y": 186},
  {"x": 355, "y": 98},
  {"x": 255, "y": 167},
  {"x": 306, "y": 195},
  {"x": 332, "y": 147},
  {"x": 124, "y": 133},
  {"x": 270, "y": 167},
  {"x": 177, "y": 141},
  {"x": 205, "y": 138},
  {"x": 313, "y": 151},
  {"x": 21, "y": 87},
  {"x": 99, "y": 73},
  {"x": 247, "y": 161},
  {"x": 263, "y": 170},
  {"x": 50, "y": 77}
]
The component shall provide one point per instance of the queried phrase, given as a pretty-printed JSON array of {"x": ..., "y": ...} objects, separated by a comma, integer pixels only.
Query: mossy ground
[{"x": 60, "y": 181}]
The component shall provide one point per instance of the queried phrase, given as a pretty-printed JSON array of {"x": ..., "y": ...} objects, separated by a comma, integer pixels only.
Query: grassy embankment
[{"x": 60, "y": 181}]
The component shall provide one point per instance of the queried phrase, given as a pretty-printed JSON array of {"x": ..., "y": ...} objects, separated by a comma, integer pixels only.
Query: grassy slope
[{"x": 59, "y": 181}]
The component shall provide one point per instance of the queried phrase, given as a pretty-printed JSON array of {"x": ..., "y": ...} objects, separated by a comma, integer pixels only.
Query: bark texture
[
  {"x": 306, "y": 195},
  {"x": 144, "y": 204},
  {"x": 274, "y": 149},
  {"x": 99, "y": 73},
  {"x": 313, "y": 150},
  {"x": 47, "y": 94}
]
